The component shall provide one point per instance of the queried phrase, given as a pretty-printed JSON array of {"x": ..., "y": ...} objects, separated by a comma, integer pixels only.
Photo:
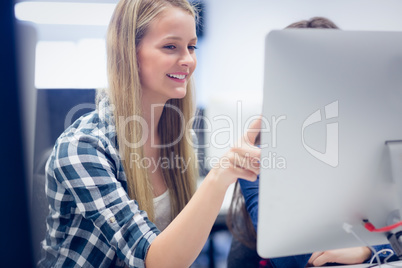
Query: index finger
[{"x": 252, "y": 132}]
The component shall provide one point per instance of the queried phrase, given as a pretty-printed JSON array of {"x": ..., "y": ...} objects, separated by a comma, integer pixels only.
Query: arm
[
  {"x": 344, "y": 256},
  {"x": 384, "y": 255},
  {"x": 250, "y": 193},
  {"x": 347, "y": 256},
  {"x": 181, "y": 242},
  {"x": 249, "y": 190},
  {"x": 83, "y": 170}
]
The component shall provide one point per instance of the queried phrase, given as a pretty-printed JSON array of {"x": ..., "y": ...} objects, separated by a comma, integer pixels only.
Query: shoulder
[
  {"x": 91, "y": 129},
  {"x": 92, "y": 138},
  {"x": 96, "y": 126}
]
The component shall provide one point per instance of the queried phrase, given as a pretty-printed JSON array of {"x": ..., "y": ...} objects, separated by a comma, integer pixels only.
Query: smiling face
[{"x": 166, "y": 56}]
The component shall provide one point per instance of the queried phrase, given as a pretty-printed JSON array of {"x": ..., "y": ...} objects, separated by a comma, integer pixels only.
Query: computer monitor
[
  {"x": 331, "y": 101},
  {"x": 15, "y": 79}
]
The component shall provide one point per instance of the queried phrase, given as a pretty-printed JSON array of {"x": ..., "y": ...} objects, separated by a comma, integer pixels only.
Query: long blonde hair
[{"x": 129, "y": 23}]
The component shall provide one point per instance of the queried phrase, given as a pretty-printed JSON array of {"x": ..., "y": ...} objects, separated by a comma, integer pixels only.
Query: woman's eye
[
  {"x": 192, "y": 47},
  {"x": 169, "y": 47}
]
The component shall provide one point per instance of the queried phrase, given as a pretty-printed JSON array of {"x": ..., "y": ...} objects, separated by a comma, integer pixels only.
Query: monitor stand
[{"x": 395, "y": 151}]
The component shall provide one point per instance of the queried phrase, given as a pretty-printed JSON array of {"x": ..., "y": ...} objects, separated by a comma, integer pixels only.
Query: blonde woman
[{"x": 115, "y": 199}]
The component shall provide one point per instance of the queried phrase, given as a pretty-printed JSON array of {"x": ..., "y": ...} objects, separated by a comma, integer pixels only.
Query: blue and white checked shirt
[{"x": 92, "y": 221}]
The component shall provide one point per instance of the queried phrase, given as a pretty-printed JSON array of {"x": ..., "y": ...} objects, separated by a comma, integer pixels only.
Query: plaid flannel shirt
[{"x": 92, "y": 221}]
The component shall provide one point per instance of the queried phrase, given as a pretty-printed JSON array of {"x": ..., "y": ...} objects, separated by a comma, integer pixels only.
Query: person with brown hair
[
  {"x": 243, "y": 215},
  {"x": 315, "y": 22},
  {"x": 121, "y": 180}
]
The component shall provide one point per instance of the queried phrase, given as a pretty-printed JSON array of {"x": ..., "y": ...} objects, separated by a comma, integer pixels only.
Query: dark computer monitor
[
  {"x": 15, "y": 227},
  {"x": 332, "y": 99}
]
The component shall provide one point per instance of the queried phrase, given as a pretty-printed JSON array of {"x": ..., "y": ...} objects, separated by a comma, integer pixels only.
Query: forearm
[
  {"x": 250, "y": 190},
  {"x": 182, "y": 241}
]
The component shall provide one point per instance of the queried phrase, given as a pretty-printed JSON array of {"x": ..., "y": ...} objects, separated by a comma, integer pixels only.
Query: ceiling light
[{"x": 65, "y": 13}]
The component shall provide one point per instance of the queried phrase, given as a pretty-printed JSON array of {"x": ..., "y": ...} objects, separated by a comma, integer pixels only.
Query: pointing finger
[{"x": 252, "y": 131}]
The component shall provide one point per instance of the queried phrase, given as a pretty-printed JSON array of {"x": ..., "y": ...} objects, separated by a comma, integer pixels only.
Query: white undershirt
[{"x": 162, "y": 210}]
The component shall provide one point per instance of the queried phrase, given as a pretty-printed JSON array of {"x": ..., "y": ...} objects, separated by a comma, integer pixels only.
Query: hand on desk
[{"x": 342, "y": 256}]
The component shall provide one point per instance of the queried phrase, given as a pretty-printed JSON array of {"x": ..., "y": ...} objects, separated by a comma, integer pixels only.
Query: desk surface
[{"x": 391, "y": 264}]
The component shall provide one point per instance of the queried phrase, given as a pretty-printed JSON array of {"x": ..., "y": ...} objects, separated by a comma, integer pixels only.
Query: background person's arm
[
  {"x": 250, "y": 192},
  {"x": 342, "y": 256}
]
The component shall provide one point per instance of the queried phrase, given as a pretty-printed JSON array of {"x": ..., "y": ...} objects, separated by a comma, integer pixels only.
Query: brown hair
[
  {"x": 315, "y": 22},
  {"x": 238, "y": 219}
]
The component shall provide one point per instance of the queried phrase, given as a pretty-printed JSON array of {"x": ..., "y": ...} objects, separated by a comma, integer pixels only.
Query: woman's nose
[{"x": 187, "y": 58}]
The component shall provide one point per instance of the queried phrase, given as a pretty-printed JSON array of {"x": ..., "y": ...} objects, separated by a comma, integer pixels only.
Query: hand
[
  {"x": 342, "y": 256},
  {"x": 242, "y": 160}
]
